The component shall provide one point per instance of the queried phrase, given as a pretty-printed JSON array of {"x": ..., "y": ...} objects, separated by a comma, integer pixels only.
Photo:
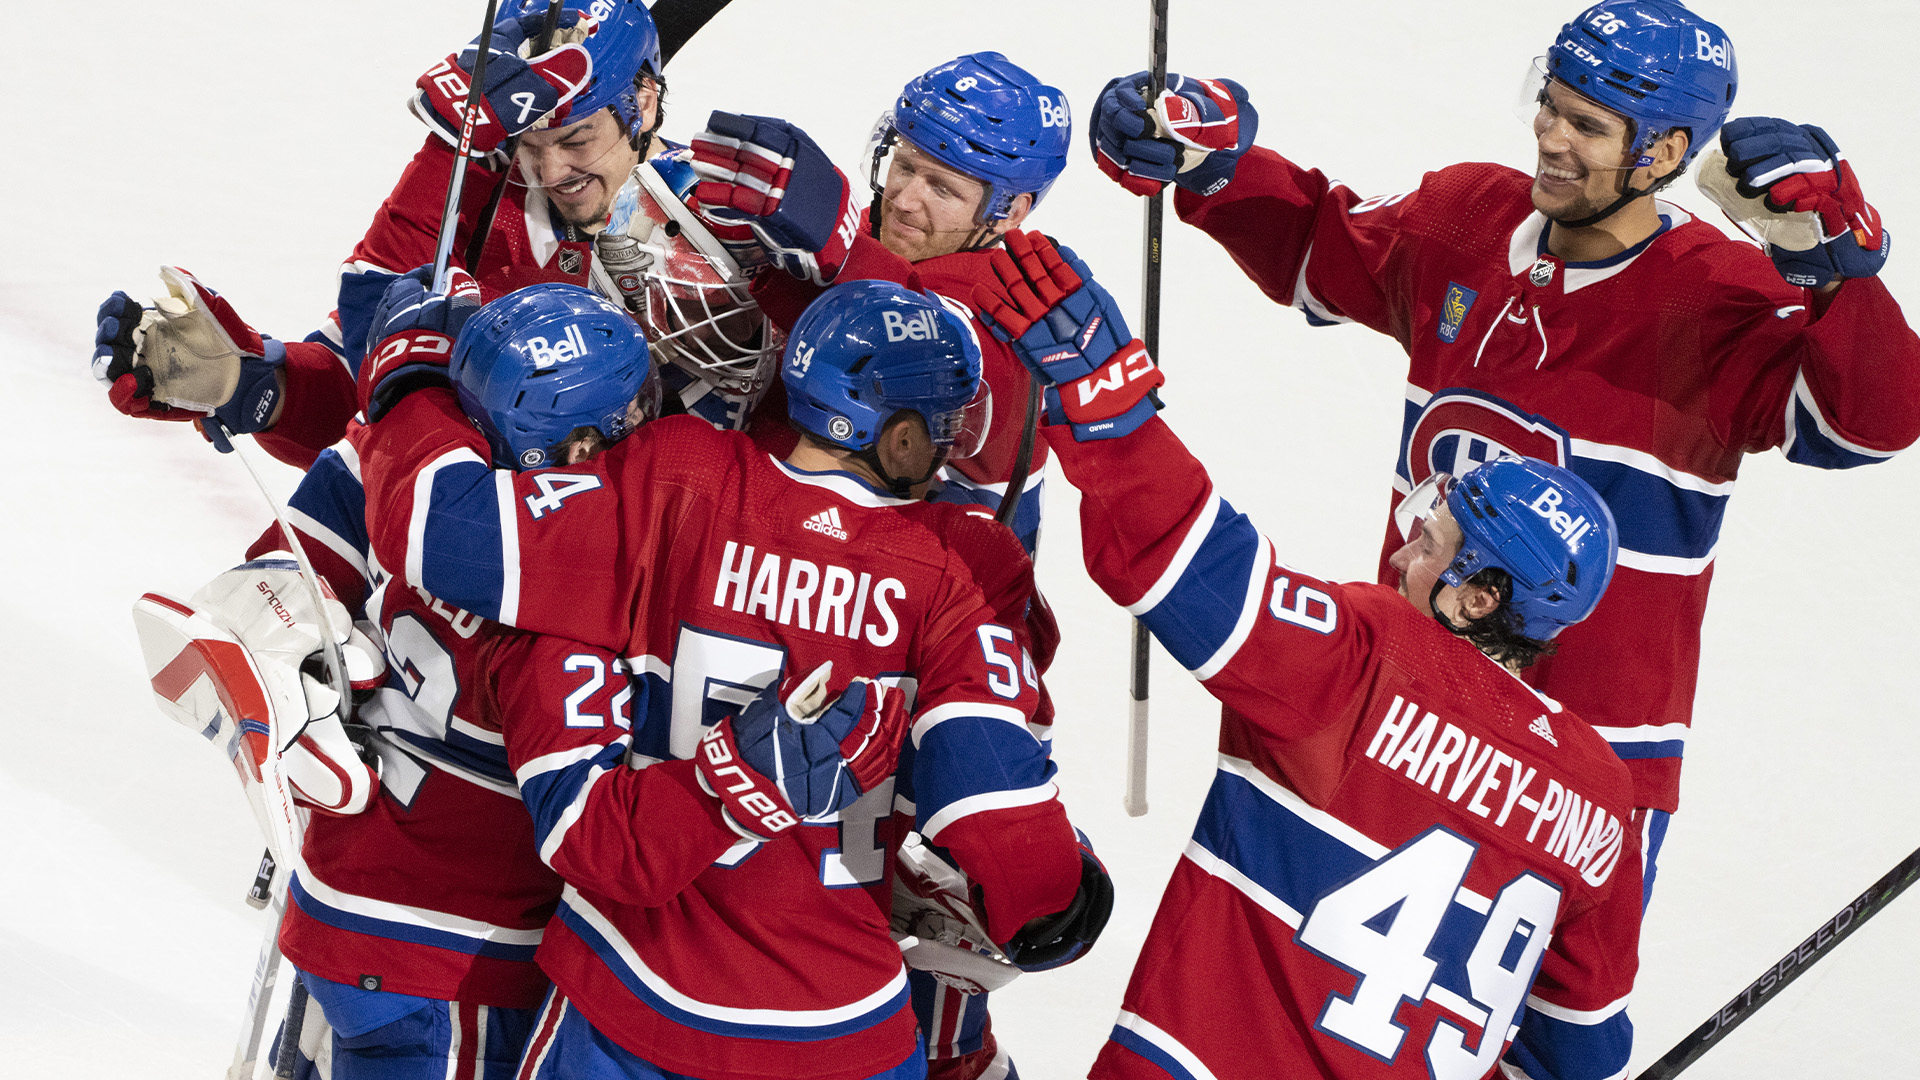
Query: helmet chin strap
[
  {"x": 1433, "y": 604},
  {"x": 1626, "y": 197},
  {"x": 901, "y": 487}
]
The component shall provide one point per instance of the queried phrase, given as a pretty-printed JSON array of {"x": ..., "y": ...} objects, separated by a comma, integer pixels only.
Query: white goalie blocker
[
  {"x": 936, "y": 927},
  {"x": 238, "y": 663}
]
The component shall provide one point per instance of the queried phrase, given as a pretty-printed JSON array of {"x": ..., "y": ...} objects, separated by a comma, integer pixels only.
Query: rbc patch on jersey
[{"x": 1453, "y": 311}]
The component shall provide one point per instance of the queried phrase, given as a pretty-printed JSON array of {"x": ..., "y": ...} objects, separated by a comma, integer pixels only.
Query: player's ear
[
  {"x": 1477, "y": 602},
  {"x": 1668, "y": 152},
  {"x": 1017, "y": 212}
]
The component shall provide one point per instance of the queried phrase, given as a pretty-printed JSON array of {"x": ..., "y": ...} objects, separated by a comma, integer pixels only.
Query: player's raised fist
[
  {"x": 771, "y": 177},
  {"x": 1798, "y": 192},
  {"x": 410, "y": 340},
  {"x": 1193, "y": 134},
  {"x": 1070, "y": 334},
  {"x": 188, "y": 357},
  {"x": 518, "y": 91}
]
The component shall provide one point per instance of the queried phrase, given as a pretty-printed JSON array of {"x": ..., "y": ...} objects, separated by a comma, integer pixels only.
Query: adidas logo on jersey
[
  {"x": 1543, "y": 729},
  {"x": 826, "y": 523}
]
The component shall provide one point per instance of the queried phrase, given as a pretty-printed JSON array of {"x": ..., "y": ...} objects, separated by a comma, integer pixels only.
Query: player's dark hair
[
  {"x": 1497, "y": 633},
  {"x": 639, "y": 140}
]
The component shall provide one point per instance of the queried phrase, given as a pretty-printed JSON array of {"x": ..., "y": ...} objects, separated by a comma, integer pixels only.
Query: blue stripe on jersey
[
  {"x": 1026, "y": 517},
  {"x": 652, "y": 713},
  {"x": 611, "y": 959},
  {"x": 998, "y": 756},
  {"x": 551, "y": 794},
  {"x": 1198, "y": 614},
  {"x": 1631, "y": 750},
  {"x": 1811, "y": 446},
  {"x": 1655, "y": 517},
  {"x": 333, "y": 497},
  {"x": 1161, "y": 1060},
  {"x": 461, "y": 561},
  {"x": 399, "y": 931},
  {"x": 360, "y": 293},
  {"x": 1567, "y": 1051},
  {"x": 1298, "y": 863}
]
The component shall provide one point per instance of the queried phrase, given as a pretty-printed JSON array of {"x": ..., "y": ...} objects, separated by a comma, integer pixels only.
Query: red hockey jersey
[
  {"x": 436, "y": 889},
  {"x": 713, "y": 570},
  {"x": 1650, "y": 374},
  {"x": 1406, "y": 851}
]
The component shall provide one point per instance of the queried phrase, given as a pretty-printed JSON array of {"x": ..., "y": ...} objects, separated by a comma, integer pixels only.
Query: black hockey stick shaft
[
  {"x": 1785, "y": 970},
  {"x": 484, "y": 223},
  {"x": 450, "y": 212},
  {"x": 1136, "y": 796},
  {"x": 289, "y": 1056},
  {"x": 1022, "y": 458}
]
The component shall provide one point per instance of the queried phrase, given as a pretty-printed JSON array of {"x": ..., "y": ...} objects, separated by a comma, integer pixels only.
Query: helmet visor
[
  {"x": 1603, "y": 140},
  {"x": 975, "y": 421},
  {"x": 1418, "y": 508}
]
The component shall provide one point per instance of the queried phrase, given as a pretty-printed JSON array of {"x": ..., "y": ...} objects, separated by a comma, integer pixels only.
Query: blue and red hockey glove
[
  {"x": 1796, "y": 168},
  {"x": 410, "y": 340},
  {"x": 781, "y": 762},
  {"x": 518, "y": 93},
  {"x": 1194, "y": 135},
  {"x": 189, "y": 357},
  {"x": 1071, "y": 335},
  {"x": 770, "y": 177}
]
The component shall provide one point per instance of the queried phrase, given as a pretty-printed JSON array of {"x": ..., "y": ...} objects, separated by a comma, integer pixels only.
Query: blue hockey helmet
[
  {"x": 624, "y": 45},
  {"x": 867, "y": 349},
  {"x": 1653, "y": 62},
  {"x": 1546, "y": 527},
  {"x": 538, "y": 364},
  {"x": 989, "y": 118}
]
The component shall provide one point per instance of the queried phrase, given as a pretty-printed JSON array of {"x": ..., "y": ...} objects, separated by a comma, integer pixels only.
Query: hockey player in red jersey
[
  {"x": 1572, "y": 315},
  {"x": 714, "y": 571},
  {"x": 1406, "y": 851},
  {"x": 578, "y": 189},
  {"x": 974, "y": 145},
  {"x": 414, "y": 922}
]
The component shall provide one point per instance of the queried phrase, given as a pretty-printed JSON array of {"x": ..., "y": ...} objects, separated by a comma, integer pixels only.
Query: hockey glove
[
  {"x": 1194, "y": 135},
  {"x": 410, "y": 339},
  {"x": 1071, "y": 335},
  {"x": 933, "y": 904},
  {"x": 824, "y": 756},
  {"x": 188, "y": 355},
  {"x": 1055, "y": 940},
  {"x": 518, "y": 93},
  {"x": 769, "y": 176},
  {"x": 1794, "y": 191}
]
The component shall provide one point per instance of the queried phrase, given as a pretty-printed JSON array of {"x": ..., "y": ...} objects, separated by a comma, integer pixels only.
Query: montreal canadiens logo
[
  {"x": 840, "y": 428},
  {"x": 1460, "y": 428}
]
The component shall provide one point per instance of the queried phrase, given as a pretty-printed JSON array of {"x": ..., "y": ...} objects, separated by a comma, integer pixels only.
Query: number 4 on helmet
[{"x": 227, "y": 664}]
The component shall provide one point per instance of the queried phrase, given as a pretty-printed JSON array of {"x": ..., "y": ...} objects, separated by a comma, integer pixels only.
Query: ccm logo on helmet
[
  {"x": 1570, "y": 528},
  {"x": 1720, "y": 55},
  {"x": 916, "y": 327}
]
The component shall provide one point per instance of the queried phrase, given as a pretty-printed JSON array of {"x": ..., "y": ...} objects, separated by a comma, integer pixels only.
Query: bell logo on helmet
[
  {"x": 1720, "y": 55},
  {"x": 1052, "y": 115},
  {"x": 572, "y": 346},
  {"x": 916, "y": 327},
  {"x": 1570, "y": 528}
]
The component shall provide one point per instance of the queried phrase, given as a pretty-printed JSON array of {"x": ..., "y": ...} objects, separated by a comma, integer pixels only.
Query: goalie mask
[{"x": 683, "y": 284}]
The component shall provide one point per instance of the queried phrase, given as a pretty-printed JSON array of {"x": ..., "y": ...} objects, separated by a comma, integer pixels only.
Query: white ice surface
[{"x": 251, "y": 143}]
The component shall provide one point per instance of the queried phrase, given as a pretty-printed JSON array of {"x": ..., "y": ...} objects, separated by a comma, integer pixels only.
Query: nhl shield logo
[
  {"x": 569, "y": 260},
  {"x": 1453, "y": 311},
  {"x": 1542, "y": 272},
  {"x": 840, "y": 428}
]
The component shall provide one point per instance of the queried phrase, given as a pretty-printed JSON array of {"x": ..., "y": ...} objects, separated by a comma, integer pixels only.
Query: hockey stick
[
  {"x": 450, "y": 213},
  {"x": 1136, "y": 798},
  {"x": 1022, "y": 459},
  {"x": 676, "y": 21},
  {"x": 1788, "y": 968}
]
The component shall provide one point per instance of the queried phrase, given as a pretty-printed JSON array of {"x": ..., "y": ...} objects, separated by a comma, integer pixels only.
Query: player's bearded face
[
  {"x": 1584, "y": 155},
  {"x": 927, "y": 209},
  {"x": 579, "y": 167}
]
